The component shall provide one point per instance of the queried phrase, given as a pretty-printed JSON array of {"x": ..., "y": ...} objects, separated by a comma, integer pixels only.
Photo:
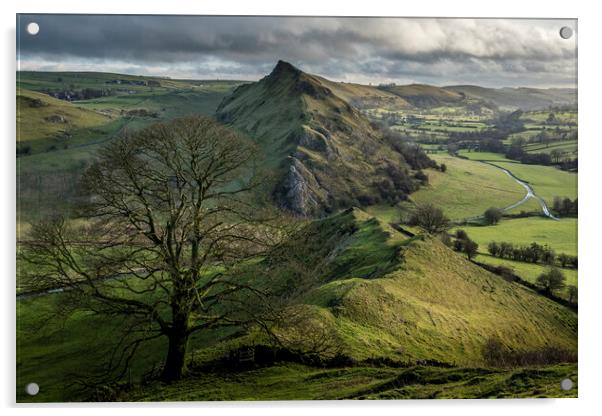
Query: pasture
[
  {"x": 559, "y": 235},
  {"x": 467, "y": 188}
]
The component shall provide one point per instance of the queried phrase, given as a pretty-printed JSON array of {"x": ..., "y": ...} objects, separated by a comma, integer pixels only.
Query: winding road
[{"x": 530, "y": 194}]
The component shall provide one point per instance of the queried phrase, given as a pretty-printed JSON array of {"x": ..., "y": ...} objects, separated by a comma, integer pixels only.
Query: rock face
[{"x": 326, "y": 155}]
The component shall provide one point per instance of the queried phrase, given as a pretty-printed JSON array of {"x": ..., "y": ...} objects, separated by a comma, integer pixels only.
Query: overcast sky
[{"x": 494, "y": 53}]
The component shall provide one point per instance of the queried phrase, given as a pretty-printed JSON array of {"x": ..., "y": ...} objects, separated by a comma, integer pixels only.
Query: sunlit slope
[
  {"x": 416, "y": 299},
  {"x": 40, "y": 116}
]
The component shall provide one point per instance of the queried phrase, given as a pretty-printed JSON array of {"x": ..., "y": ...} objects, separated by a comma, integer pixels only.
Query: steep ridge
[
  {"x": 411, "y": 299},
  {"x": 325, "y": 153}
]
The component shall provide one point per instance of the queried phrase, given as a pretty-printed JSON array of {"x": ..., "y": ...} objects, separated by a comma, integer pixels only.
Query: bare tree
[
  {"x": 430, "y": 218},
  {"x": 170, "y": 220}
]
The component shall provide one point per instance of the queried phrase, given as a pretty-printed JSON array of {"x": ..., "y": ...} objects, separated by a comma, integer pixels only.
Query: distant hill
[
  {"x": 40, "y": 117},
  {"x": 422, "y": 96},
  {"x": 326, "y": 154},
  {"x": 471, "y": 97},
  {"x": 426, "y": 96},
  {"x": 523, "y": 98},
  {"x": 366, "y": 96}
]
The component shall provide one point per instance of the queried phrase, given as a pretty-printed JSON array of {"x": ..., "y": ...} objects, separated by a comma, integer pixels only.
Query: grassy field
[
  {"x": 44, "y": 122},
  {"x": 546, "y": 181},
  {"x": 487, "y": 156},
  {"x": 559, "y": 235},
  {"x": 468, "y": 188},
  {"x": 567, "y": 148},
  {"x": 297, "y": 382}
]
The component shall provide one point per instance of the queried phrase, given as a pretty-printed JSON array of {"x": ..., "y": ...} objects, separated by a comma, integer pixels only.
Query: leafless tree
[{"x": 171, "y": 219}]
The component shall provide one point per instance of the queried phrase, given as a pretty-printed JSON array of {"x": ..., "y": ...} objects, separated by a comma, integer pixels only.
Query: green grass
[
  {"x": 565, "y": 147},
  {"x": 35, "y": 129},
  {"x": 559, "y": 235},
  {"x": 468, "y": 188},
  {"x": 379, "y": 293},
  {"x": 488, "y": 156},
  {"x": 297, "y": 382},
  {"x": 528, "y": 271},
  {"x": 546, "y": 181}
]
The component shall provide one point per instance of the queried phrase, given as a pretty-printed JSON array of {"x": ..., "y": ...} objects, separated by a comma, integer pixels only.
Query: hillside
[
  {"x": 426, "y": 96},
  {"x": 325, "y": 153},
  {"x": 40, "y": 117},
  {"x": 366, "y": 96},
  {"x": 523, "y": 98},
  {"x": 374, "y": 296},
  {"x": 415, "y": 299}
]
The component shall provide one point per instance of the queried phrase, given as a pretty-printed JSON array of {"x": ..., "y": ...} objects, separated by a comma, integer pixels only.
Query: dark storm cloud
[{"x": 353, "y": 49}]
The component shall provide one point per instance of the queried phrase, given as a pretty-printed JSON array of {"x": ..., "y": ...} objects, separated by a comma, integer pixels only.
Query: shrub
[
  {"x": 493, "y": 248},
  {"x": 551, "y": 281},
  {"x": 470, "y": 248},
  {"x": 493, "y": 215}
]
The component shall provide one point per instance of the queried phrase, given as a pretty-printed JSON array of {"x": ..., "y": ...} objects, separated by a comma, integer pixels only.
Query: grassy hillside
[
  {"x": 424, "y": 96},
  {"x": 378, "y": 293},
  {"x": 468, "y": 188},
  {"x": 523, "y": 98},
  {"x": 366, "y": 96},
  {"x": 44, "y": 121},
  {"x": 430, "y": 303},
  {"x": 59, "y": 151},
  {"x": 325, "y": 153}
]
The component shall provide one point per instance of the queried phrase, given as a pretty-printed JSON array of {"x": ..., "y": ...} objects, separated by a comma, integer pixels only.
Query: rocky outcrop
[{"x": 300, "y": 192}]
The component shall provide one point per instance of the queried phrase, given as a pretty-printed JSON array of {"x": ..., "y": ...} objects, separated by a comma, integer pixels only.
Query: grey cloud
[{"x": 352, "y": 49}]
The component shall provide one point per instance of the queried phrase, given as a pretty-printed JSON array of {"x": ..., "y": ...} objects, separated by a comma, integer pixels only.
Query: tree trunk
[{"x": 175, "y": 362}]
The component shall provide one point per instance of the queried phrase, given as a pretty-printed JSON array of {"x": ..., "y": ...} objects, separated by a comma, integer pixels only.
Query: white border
[{"x": 590, "y": 150}]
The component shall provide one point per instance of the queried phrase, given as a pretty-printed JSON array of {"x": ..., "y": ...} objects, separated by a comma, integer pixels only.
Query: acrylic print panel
[{"x": 295, "y": 208}]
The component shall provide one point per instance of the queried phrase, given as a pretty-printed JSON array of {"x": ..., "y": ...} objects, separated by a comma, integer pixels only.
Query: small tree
[
  {"x": 493, "y": 215},
  {"x": 572, "y": 292},
  {"x": 430, "y": 218},
  {"x": 551, "y": 281},
  {"x": 461, "y": 235},
  {"x": 443, "y": 167},
  {"x": 493, "y": 248},
  {"x": 470, "y": 248}
]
